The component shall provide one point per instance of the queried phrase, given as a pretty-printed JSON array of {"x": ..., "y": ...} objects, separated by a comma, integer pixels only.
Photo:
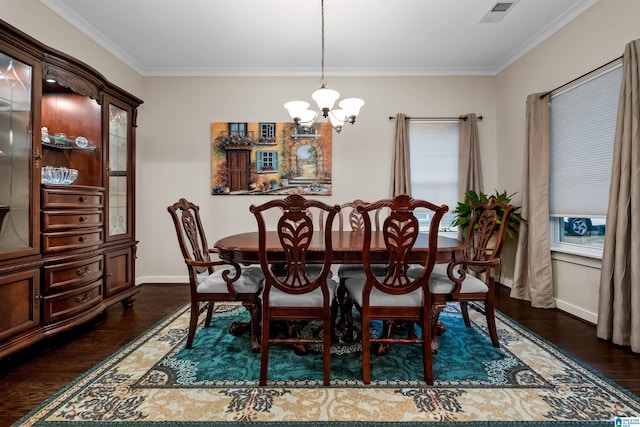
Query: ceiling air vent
[{"x": 498, "y": 11}]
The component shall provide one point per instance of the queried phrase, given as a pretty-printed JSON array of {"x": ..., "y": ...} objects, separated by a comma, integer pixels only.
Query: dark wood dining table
[{"x": 346, "y": 247}]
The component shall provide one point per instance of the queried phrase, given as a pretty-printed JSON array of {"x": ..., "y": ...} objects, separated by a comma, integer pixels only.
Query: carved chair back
[
  {"x": 295, "y": 230},
  {"x": 487, "y": 231},
  {"x": 400, "y": 230},
  {"x": 191, "y": 236}
]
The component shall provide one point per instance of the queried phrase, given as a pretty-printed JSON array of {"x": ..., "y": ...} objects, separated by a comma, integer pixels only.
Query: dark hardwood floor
[{"x": 31, "y": 376}]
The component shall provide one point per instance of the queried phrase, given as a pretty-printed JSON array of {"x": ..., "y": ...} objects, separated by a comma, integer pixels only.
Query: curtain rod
[
  {"x": 578, "y": 78},
  {"x": 436, "y": 118}
]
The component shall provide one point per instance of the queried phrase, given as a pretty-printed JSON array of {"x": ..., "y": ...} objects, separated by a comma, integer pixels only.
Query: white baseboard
[
  {"x": 574, "y": 310},
  {"x": 579, "y": 312},
  {"x": 507, "y": 282}
]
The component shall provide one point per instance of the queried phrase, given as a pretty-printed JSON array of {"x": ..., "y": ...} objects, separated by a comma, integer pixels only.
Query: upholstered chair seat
[
  {"x": 250, "y": 281},
  {"x": 440, "y": 283},
  {"x": 347, "y": 271},
  {"x": 377, "y": 298},
  {"x": 310, "y": 299}
]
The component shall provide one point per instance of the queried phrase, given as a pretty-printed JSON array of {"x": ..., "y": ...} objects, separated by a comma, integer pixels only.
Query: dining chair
[
  {"x": 291, "y": 293},
  {"x": 355, "y": 222},
  {"x": 471, "y": 277},
  {"x": 396, "y": 297},
  {"x": 214, "y": 280}
]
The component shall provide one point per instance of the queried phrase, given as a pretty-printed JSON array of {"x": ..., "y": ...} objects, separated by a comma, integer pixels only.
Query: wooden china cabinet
[{"x": 67, "y": 250}]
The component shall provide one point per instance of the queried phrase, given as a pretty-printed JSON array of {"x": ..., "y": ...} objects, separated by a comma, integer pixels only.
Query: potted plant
[{"x": 472, "y": 198}]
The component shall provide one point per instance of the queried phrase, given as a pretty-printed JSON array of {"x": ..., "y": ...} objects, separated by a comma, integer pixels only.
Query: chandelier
[{"x": 325, "y": 98}]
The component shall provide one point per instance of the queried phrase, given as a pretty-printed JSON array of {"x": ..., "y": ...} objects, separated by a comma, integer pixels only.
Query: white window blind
[
  {"x": 434, "y": 162},
  {"x": 582, "y": 130}
]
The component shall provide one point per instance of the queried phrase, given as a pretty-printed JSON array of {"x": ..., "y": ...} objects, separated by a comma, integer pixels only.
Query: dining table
[{"x": 346, "y": 246}]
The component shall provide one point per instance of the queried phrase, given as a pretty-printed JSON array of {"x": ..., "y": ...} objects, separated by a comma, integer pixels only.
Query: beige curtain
[
  {"x": 532, "y": 276},
  {"x": 619, "y": 303},
  {"x": 469, "y": 168},
  {"x": 401, "y": 165}
]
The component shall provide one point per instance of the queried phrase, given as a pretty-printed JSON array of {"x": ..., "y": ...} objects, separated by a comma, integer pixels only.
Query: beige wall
[
  {"x": 596, "y": 37},
  {"x": 174, "y": 129},
  {"x": 175, "y": 155}
]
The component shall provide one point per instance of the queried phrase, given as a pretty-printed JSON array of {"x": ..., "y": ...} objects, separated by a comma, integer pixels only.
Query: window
[
  {"x": 582, "y": 130},
  {"x": 267, "y": 132},
  {"x": 238, "y": 129},
  {"x": 434, "y": 167},
  {"x": 267, "y": 161}
]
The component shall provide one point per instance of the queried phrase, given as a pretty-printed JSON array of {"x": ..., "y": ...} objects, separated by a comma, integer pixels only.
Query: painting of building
[{"x": 270, "y": 158}]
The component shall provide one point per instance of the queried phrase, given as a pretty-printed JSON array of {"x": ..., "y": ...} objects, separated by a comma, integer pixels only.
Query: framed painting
[{"x": 267, "y": 158}]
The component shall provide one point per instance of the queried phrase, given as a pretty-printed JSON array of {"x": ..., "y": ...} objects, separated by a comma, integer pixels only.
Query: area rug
[{"x": 155, "y": 381}]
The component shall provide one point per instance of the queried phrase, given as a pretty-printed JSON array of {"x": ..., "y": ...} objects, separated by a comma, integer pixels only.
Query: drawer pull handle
[
  {"x": 83, "y": 272},
  {"x": 82, "y": 219},
  {"x": 83, "y": 298},
  {"x": 82, "y": 239},
  {"x": 82, "y": 199}
]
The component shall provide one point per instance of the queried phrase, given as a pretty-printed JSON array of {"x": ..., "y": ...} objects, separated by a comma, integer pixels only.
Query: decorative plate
[{"x": 82, "y": 142}]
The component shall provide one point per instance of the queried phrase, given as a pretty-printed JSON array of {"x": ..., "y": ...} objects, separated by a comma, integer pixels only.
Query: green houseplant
[{"x": 472, "y": 198}]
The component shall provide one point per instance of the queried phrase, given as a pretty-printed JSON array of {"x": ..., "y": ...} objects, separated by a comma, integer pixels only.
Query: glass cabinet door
[
  {"x": 118, "y": 217},
  {"x": 16, "y": 183}
]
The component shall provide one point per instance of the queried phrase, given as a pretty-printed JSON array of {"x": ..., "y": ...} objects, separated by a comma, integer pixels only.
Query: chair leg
[
  {"x": 491, "y": 323},
  {"x": 366, "y": 350},
  {"x": 264, "y": 351},
  {"x": 427, "y": 353},
  {"x": 207, "y": 321},
  {"x": 464, "y": 308},
  {"x": 326, "y": 350},
  {"x": 193, "y": 322}
]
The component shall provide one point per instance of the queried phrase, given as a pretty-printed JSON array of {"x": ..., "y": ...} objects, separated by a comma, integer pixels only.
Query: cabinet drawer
[
  {"x": 72, "y": 274},
  {"x": 67, "y": 304},
  {"x": 61, "y": 220},
  {"x": 55, "y": 198},
  {"x": 69, "y": 240}
]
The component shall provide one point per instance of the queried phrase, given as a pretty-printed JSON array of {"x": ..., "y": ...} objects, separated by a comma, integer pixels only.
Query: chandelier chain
[
  {"x": 347, "y": 111},
  {"x": 322, "y": 80}
]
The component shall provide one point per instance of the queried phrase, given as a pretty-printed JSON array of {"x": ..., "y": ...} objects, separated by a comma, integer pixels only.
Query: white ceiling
[{"x": 283, "y": 37}]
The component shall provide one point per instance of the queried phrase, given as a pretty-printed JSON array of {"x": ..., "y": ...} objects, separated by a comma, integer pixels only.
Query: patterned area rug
[{"x": 154, "y": 381}]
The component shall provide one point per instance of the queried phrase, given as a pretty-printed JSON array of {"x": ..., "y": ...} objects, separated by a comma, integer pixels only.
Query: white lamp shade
[
  {"x": 337, "y": 117},
  {"x": 308, "y": 117},
  {"x": 296, "y": 108},
  {"x": 351, "y": 106},
  {"x": 325, "y": 98}
]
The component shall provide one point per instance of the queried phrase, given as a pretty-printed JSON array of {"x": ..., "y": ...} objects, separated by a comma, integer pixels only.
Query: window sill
[{"x": 580, "y": 256}]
